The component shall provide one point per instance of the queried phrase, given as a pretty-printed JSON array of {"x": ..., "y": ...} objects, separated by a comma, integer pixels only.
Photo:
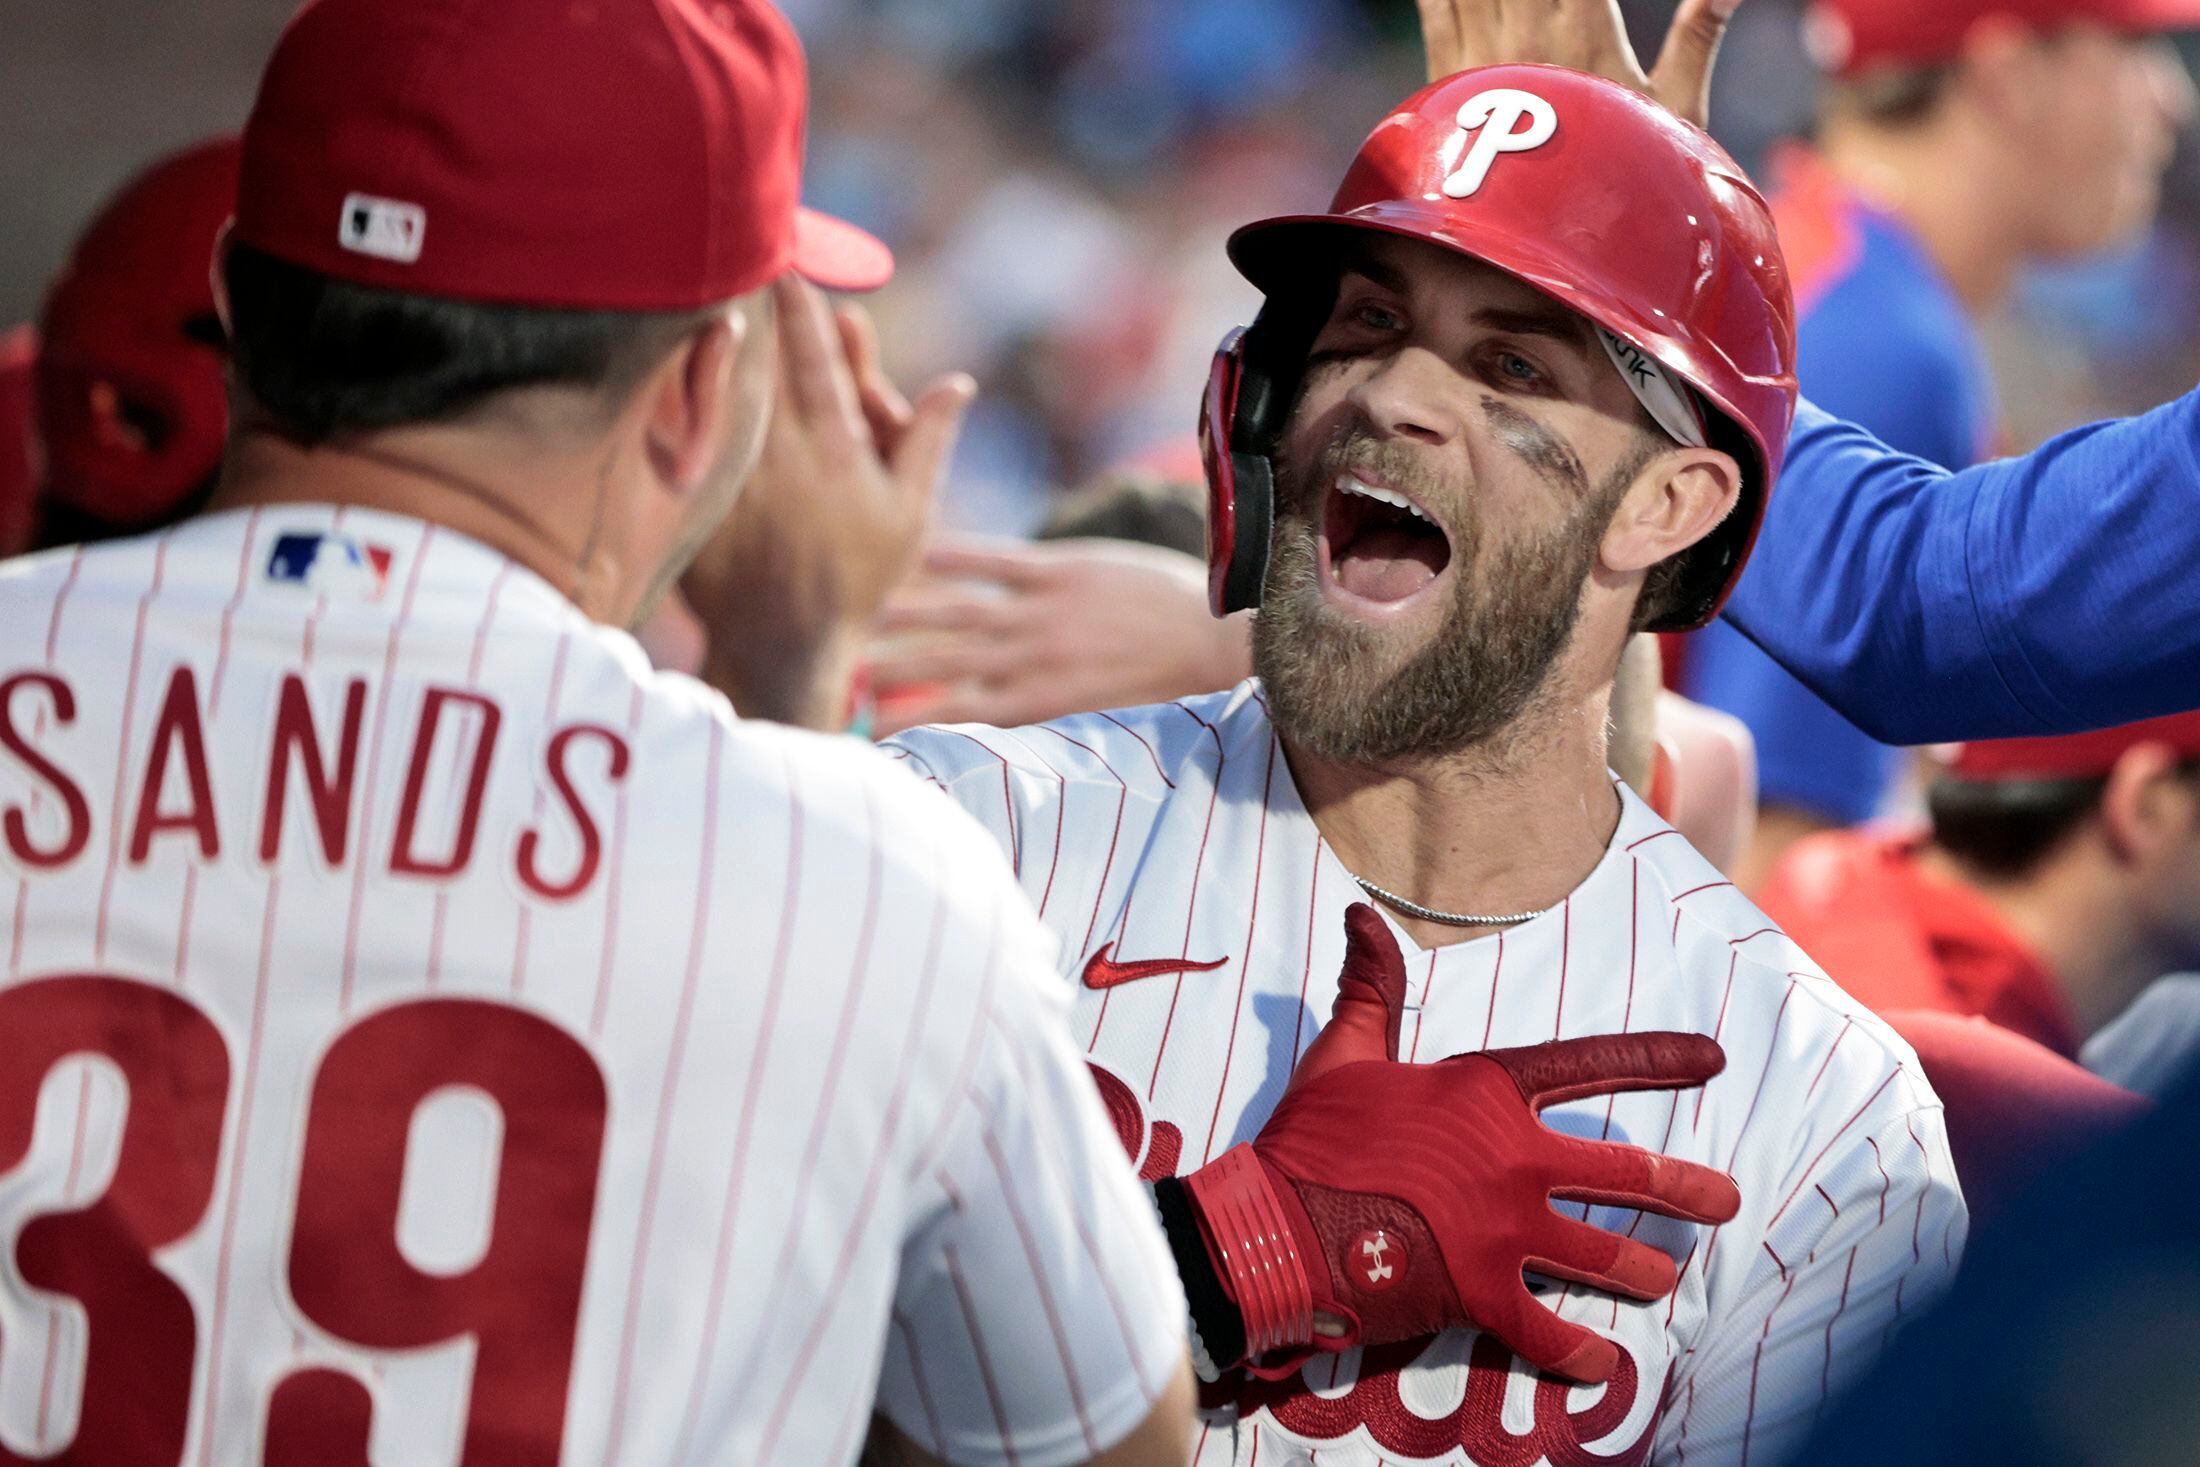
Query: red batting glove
[{"x": 1409, "y": 1199}]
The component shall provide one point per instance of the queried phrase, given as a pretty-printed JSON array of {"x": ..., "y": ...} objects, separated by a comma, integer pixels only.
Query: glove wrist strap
[{"x": 1255, "y": 1250}]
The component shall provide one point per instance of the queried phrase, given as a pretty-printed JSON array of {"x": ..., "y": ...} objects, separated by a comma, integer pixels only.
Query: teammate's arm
[{"x": 2049, "y": 593}]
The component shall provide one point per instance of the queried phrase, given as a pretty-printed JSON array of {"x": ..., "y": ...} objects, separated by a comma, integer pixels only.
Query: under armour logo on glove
[
  {"x": 1382, "y": 1260},
  {"x": 1494, "y": 119}
]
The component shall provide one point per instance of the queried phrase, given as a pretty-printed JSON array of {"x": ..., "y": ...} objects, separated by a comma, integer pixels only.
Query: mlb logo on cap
[
  {"x": 335, "y": 566},
  {"x": 384, "y": 228}
]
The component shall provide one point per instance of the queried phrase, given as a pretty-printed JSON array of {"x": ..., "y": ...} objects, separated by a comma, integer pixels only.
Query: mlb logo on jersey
[{"x": 335, "y": 566}]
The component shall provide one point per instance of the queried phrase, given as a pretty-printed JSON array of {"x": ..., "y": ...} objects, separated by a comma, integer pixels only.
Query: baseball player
[
  {"x": 1522, "y": 391},
  {"x": 430, "y": 1036}
]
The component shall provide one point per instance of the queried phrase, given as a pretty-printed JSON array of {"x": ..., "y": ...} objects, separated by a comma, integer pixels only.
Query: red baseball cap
[
  {"x": 635, "y": 155},
  {"x": 132, "y": 406},
  {"x": 2080, "y": 756},
  {"x": 1851, "y": 36}
]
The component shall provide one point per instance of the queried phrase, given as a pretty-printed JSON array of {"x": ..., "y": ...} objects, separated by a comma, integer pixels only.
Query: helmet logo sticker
[{"x": 1494, "y": 119}]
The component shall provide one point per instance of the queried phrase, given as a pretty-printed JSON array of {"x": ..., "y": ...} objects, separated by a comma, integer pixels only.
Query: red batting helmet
[
  {"x": 131, "y": 404},
  {"x": 1588, "y": 192}
]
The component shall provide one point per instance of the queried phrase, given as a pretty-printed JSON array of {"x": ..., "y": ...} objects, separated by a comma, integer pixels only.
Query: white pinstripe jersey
[
  {"x": 1173, "y": 837},
  {"x": 497, "y": 1048}
]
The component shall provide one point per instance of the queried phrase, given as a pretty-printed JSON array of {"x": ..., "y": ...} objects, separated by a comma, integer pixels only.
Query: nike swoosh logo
[{"x": 1101, "y": 971}]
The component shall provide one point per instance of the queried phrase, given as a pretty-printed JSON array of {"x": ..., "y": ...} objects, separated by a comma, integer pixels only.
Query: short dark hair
[
  {"x": 2003, "y": 829},
  {"x": 1894, "y": 96},
  {"x": 325, "y": 357},
  {"x": 1146, "y": 509}
]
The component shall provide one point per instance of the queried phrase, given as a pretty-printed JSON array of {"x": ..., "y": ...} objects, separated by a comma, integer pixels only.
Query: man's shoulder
[
  {"x": 1774, "y": 1001},
  {"x": 1146, "y": 753}
]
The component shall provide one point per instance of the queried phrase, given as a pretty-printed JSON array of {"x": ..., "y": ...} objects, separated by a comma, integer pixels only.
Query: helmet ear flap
[{"x": 1250, "y": 392}]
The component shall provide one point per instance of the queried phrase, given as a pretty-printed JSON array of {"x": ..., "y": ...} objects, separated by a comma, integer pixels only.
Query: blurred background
[{"x": 1057, "y": 177}]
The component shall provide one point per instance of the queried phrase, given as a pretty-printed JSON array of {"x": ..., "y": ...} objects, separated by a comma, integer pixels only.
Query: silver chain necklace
[{"x": 1449, "y": 919}]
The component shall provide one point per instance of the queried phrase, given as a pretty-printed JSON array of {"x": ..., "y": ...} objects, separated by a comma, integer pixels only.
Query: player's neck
[
  {"x": 1510, "y": 825},
  {"x": 508, "y": 501},
  {"x": 1957, "y": 213}
]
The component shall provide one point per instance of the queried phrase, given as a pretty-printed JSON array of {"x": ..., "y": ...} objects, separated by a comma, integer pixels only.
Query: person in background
[
  {"x": 2057, "y": 879},
  {"x": 130, "y": 401},
  {"x": 1957, "y": 142}
]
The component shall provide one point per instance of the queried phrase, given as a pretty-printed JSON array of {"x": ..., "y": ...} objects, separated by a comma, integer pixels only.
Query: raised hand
[
  {"x": 1401, "y": 1200},
  {"x": 831, "y": 522},
  {"x": 1586, "y": 35}
]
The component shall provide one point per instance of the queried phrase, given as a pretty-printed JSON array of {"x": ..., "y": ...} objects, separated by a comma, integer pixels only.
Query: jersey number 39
[{"x": 520, "y": 1302}]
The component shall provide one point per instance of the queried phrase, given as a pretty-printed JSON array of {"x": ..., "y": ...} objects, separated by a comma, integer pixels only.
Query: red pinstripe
[
  {"x": 705, "y": 866},
  {"x": 1825, "y": 1372},
  {"x": 1019, "y": 1055},
  {"x": 615, "y": 875},
  {"x": 1886, "y": 1183},
  {"x": 1150, "y": 754},
  {"x": 1122, "y": 799},
  {"x": 229, "y": 612},
  {"x": 1191, "y": 904},
  {"x": 935, "y": 1145},
  {"x": 1772, "y": 1050},
  {"x": 1634, "y": 942},
  {"x": 1749, "y": 1421},
  {"x": 1313, "y": 905},
  {"x": 244, "y": 1111},
  {"x": 1497, "y": 973},
  {"x": 1829, "y": 1199},
  {"x": 1061, "y": 813},
  {"x": 1039, "y": 1282},
  {"x": 374, "y": 761},
  {"x": 1831, "y": 1050},
  {"x": 1654, "y": 835},
  {"x": 1707, "y": 886},
  {"x": 977, "y": 1346},
  {"x": 859, "y": 1218},
  {"x": 1732, "y": 962},
  {"x": 60, "y": 597},
  {"x": 1252, "y": 921},
  {"x": 1789, "y": 1200},
  {"x": 122, "y": 746},
  {"x": 1752, "y": 937},
  {"x": 744, "y": 1122},
  {"x": 1008, "y": 802},
  {"x": 1420, "y": 1013},
  {"x": 1565, "y": 958},
  {"x": 915, "y": 1356}
]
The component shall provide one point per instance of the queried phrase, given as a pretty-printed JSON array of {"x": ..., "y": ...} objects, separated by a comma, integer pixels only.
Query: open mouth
[{"x": 1377, "y": 545}]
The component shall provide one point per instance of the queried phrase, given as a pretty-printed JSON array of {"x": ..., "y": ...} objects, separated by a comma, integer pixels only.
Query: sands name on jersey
[{"x": 313, "y": 761}]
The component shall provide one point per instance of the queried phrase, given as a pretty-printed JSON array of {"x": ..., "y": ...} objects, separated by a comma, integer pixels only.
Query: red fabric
[
  {"x": 2013, "y": 1107},
  {"x": 1416, "y": 1194},
  {"x": 1898, "y": 938},
  {"x": 2080, "y": 756},
  {"x": 1849, "y": 36},
  {"x": 1816, "y": 213},
  {"x": 132, "y": 407},
  {"x": 621, "y": 155},
  {"x": 18, "y": 439}
]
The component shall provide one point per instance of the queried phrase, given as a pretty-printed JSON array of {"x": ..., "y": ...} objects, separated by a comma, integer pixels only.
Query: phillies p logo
[{"x": 1502, "y": 120}]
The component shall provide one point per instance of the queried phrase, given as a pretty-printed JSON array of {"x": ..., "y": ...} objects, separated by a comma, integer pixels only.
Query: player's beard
[{"x": 1341, "y": 689}]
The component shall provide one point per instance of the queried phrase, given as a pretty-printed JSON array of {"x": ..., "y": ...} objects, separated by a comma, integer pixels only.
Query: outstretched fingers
[
  {"x": 1682, "y": 78},
  {"x": 1584, "y": 1254},
  {"x": 1612, "y": 1175},
  {"x": 1537, "y": 1335},
  {"x": 1606, "y": 1064}
]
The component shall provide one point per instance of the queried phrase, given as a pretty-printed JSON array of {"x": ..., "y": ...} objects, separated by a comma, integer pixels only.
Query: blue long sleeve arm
[{"x": 2051, "y": 593}]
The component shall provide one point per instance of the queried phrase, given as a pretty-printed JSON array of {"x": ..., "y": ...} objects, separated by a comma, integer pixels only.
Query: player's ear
[
  {"x": 689, "y": 401},
  {"x": 2146, "y": 810},
  {"x": 1680, "y": 496},
  {"x": 218, "y": 269}
]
